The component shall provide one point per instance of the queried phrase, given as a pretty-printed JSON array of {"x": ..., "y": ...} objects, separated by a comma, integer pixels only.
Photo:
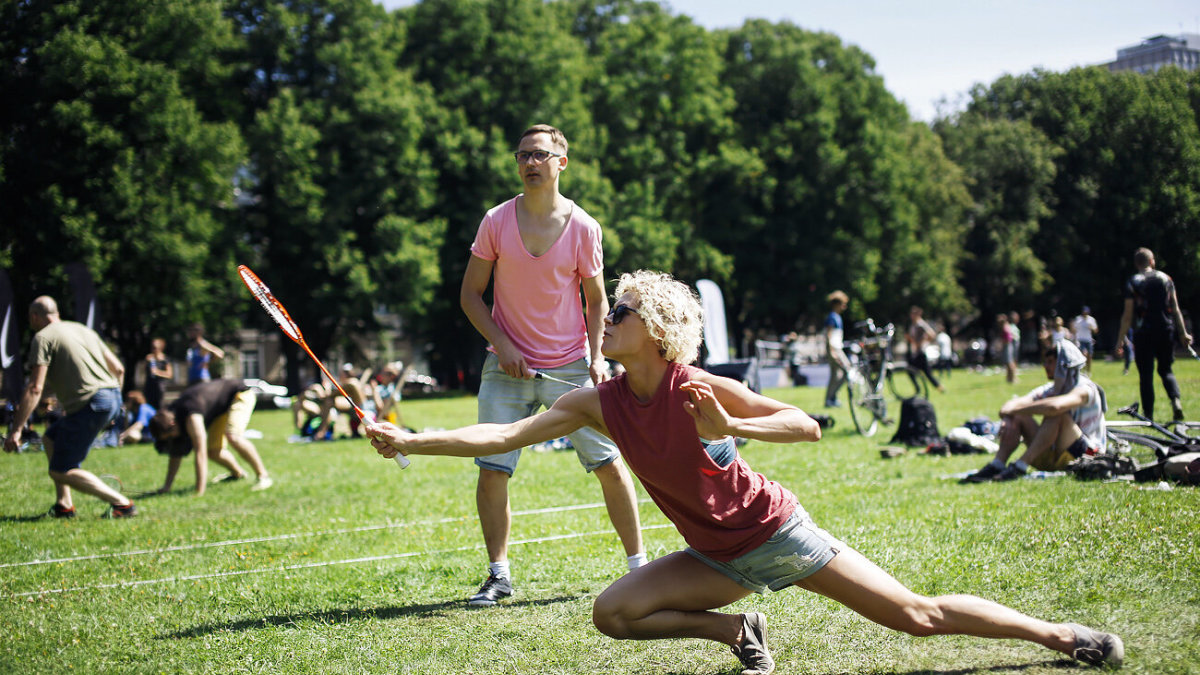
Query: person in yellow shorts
[{"x": 205, "y": 417}]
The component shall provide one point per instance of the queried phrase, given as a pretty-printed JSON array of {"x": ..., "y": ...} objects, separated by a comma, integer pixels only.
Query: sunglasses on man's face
[{"x": 618, "y": 313}]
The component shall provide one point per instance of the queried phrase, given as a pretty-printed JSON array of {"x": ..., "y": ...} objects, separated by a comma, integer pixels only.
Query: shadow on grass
[
  {"x": 1016, "y": 668},
  {"x": 336, "y": 616}
]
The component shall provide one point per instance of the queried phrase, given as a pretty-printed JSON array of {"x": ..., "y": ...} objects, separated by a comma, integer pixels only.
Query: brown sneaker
[{"x": 752, "y": 652}]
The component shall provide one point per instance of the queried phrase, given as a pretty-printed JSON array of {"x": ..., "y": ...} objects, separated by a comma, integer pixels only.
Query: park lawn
[{"x": 350, "y": 565}]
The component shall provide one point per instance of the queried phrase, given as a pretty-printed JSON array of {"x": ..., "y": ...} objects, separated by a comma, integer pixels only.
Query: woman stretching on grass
[{"x": 674, "y": 426}]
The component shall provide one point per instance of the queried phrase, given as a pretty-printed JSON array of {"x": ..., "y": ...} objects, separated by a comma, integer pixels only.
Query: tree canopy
[{"x": 348, "y": 154}]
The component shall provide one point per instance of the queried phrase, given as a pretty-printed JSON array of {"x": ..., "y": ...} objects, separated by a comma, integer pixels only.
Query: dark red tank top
[{"x": 721, "y": 512}]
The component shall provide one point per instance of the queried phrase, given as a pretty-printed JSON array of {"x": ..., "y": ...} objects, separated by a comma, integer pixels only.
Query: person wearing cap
[
  {"x": 204, "y": 417},
  {"x": 1084, "y": 327},
  {"x": 1072, "y": 409}
]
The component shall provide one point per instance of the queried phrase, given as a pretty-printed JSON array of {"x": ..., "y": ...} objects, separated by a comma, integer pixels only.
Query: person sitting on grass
[
  {"x": 675, "y": 424},
  {"x": 1072, "y": 409}
]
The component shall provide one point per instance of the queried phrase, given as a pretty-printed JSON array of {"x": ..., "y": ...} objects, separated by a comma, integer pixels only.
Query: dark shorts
[{"x": 73, "y": 434}]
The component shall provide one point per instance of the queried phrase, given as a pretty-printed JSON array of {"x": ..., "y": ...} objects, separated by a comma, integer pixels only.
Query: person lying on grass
[{"x": 674, "y": 425}]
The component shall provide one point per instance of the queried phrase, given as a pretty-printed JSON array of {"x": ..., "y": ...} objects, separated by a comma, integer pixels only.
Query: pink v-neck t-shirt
[{"x": 536, "y": 299}]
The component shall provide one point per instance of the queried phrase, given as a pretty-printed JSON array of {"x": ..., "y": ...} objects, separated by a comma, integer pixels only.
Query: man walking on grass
[{"x": 73, "y": 363}]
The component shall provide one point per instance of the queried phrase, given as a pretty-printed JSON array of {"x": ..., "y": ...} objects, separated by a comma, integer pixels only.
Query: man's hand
[
  {"x": 600, "y": 371},
  {"x": 512, "y": 362},
  {"x": 712, "y": 422},
  {"x": 13, "y": 442}
]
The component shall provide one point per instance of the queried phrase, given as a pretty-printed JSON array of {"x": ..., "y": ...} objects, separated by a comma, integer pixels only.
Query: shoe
[
  {"x": 127, "y": 511},
  {"x": 492, "y": 590},
  {"x": 227, "y": 478},
  {"x": 57, "y": 511},
  {"x": 1176, "y": 411},
  {"x": 1010, "y": 472},
  {"x": 833, "y": 404},
  {"x": 753, "y": 651},
  {"x": 984, "y": 475},
  {"x": 1096, "y": 648},
  {"x": 263, "y": 483}
]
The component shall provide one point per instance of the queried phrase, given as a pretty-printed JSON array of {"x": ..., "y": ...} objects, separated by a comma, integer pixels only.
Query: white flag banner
[{"x": 716, "y": 335}]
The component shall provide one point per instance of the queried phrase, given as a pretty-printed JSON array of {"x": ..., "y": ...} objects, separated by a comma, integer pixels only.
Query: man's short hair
[
  {"x": 1143, "y": 257},
  {"x": 557, "y": 139},
  {"x": 43, "y": 306},
  {"x": 136, "y": 396},
  {"x": 837, "y": 296}
]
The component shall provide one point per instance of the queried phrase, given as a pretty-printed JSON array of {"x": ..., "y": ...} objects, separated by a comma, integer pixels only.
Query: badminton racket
[
  {"x": 542, "y": 376},
  {"x": 277, "y": 312}
]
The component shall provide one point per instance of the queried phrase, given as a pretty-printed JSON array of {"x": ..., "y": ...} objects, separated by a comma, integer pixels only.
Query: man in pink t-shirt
[{"x": 541, "y": 249}]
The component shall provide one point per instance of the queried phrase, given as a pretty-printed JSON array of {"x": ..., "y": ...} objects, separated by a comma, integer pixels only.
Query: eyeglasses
[
  {"x": 536, "y": 156},
  {"x": 618, "y": 313}
]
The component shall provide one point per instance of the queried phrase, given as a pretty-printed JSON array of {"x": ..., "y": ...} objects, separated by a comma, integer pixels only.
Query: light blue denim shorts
[
  {"x": 504, "y": 399},
  {"x": 798, "y": 549}
]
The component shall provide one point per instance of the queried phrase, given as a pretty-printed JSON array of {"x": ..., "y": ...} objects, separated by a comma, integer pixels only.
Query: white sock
[
  {"x": 499, "y": 569},
  {"x": 637, "y": 560}
]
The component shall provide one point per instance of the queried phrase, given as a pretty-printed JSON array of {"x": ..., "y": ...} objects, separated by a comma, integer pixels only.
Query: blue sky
[{"x": 937, "y": 49}]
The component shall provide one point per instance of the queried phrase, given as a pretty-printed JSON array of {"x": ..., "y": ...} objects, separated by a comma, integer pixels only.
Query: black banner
[
  {"x": 84, "y": 291},
  {"x": 10, "y": 344}
]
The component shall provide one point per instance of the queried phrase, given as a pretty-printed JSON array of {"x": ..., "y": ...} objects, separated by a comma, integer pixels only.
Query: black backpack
[{"x": 918, "y": 423}]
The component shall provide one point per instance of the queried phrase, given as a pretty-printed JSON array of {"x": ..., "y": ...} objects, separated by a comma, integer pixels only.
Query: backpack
[
  {"x": 918, "y": 423},
  {"x": 1101, "y": 467}
]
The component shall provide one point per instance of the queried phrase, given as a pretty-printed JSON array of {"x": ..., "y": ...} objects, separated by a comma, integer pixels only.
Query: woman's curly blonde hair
[{"x": 671, "y": 311}]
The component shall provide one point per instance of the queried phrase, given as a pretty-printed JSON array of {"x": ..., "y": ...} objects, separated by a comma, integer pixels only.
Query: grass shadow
[
  {"x": 978, "y": 670},
  {"x": 336, "y": 616}
]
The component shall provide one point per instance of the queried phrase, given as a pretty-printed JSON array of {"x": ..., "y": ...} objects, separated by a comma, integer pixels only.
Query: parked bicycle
[{"x": 871, "y": 365}]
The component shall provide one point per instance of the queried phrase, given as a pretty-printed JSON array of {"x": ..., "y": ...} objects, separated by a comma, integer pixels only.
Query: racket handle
[{"x": 402, "y": 461}]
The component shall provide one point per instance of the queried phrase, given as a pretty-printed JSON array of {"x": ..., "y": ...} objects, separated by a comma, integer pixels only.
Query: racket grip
[{"x": 402, "y": 461}]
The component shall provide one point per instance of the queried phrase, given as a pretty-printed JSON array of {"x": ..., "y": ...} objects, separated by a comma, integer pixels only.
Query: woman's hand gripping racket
[{"x": 290, "y": 329}]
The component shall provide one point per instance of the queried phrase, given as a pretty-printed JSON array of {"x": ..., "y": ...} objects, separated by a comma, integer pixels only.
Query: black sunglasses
[{"x": 618, "y": 313}]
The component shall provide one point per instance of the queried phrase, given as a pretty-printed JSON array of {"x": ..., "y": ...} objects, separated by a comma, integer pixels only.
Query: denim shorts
[
  {"x": 504, "y": 399},
  {"x": 72, "y": 435},
  {"x": 798, "y": 549}
]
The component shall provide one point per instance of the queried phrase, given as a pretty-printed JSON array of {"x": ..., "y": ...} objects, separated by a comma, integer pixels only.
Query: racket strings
[{"x": 269, "y": 303}]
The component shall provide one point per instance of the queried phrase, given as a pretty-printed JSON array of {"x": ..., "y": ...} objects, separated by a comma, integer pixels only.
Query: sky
[{"x": 929, "y": 51}]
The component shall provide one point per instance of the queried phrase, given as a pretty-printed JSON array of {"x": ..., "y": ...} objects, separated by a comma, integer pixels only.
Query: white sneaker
[{"x": 262, "y": 483}]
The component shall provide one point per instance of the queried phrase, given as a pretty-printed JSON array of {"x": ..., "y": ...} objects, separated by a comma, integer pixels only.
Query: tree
[
  {"x": 826, "y": 187},
  {"x": 1011, "y": 171},
  {"x": 1127, "y": 176},
  {"x": 108, "y": 161},
  {"x": 340, "y": 195}
]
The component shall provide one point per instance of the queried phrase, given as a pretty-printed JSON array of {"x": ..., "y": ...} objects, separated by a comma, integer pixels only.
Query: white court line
[
  {"x": 287, "y": 568},
  {"x": 296, "y": 535}
]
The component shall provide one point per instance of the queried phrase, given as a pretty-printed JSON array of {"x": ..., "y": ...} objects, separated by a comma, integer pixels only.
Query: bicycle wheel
[
  {"x": 906, "y": 382},
  {"x": 1141, "y": 447},
  {"x": 864, "y": 401}
]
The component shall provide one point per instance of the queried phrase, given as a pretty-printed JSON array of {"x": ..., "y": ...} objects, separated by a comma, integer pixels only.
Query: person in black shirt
[
  {"x": 1152, "y": 309},
  {"x": 204, "y": 417}
]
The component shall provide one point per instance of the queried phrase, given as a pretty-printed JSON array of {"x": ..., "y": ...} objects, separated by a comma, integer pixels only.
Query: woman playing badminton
[{"x": 674, "y": 426}]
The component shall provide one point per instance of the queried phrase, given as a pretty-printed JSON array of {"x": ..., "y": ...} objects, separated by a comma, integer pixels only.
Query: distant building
[{"x": 1153, "y": 53}]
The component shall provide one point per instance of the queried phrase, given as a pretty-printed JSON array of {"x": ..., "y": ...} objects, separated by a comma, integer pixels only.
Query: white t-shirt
[{"x": 1084, "y": 327}]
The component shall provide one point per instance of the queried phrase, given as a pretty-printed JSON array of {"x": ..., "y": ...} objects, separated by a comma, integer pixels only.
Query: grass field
[{"x": 349, "y": 565}]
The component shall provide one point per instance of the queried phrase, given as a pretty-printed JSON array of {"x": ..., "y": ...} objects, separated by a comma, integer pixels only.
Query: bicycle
[
  {"x": 871, "y": 365},
  {"x": 1125, "y": 441}
]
